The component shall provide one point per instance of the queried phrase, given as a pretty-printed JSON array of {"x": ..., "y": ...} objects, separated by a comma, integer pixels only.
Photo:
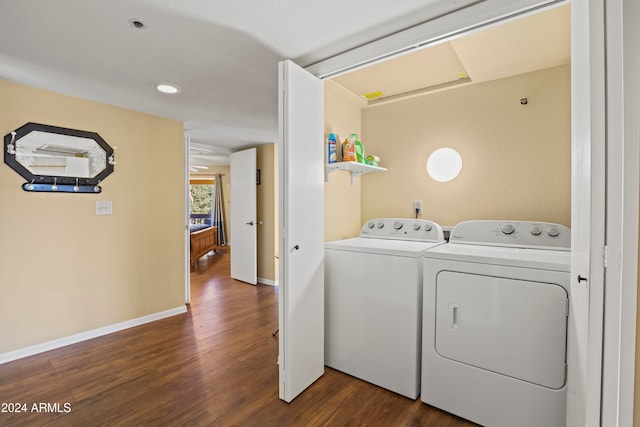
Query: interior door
[
  {"x": 301, "y": 192},
  {"x": 243, "y": 225},
  {"x": 588, "y": 103}
]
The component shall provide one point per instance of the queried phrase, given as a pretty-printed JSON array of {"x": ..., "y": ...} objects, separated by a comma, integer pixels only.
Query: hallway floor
[{"x": 214, "y": 365}]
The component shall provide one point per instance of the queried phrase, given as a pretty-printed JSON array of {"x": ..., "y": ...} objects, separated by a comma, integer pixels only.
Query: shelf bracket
[{"x": 355, "y": 169}]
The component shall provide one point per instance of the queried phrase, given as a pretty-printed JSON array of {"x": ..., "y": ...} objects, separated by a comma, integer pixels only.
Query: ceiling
[
  {"x": 525, "y": 45},
  {"x": 223, "y": 55}
]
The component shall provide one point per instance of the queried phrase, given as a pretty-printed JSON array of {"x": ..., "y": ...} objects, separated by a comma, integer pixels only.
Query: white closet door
[{"x": 301, "y": 164}]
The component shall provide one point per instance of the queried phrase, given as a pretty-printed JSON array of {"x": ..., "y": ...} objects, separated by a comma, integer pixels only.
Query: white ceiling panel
[
  {"x": 422, "y": 69},
  {"x": 539, "y": 41},
  {"x": 528, "y": 44}
]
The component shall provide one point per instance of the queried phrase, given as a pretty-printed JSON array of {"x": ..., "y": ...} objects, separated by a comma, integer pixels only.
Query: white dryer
[
  {"x": 373, "y": 302},
  {"x": 496, "y": 307}
]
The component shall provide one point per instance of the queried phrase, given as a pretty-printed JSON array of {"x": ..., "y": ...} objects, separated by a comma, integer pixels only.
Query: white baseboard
[
  {"x": 83, "y": 336},
  {"x": 267, "y": 281}
]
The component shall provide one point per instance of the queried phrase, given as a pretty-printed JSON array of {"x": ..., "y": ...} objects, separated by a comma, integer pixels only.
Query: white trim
[
  {"x": 442, "y": 21},
  {"x": 87, "y": 335},
  {"x": 268, "y": 282},
  {"x": 630, "y": 212},
  {"x": 187, "y": 220},
  {"x": 615, "y": 145},
  {"x": 283, "y": 174},
  {"x": 623, "y": 106}
]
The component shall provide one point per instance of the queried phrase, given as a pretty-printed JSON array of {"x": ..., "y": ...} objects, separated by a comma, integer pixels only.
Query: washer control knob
[
  {"x": 428, "y": 227},
  {"x": 397, "y": 225},
  {"x": 508, "y": 228},
  {"x": 371, "y": 224},
  {"x": 553, "y": 232},
  {"x": 536, "y": 230},
  {"x": 416, "y": 226},
  {"x": 380, "y": 224}
]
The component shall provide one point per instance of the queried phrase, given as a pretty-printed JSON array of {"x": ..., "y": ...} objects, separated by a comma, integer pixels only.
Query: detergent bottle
[{"x": 332, "y": 143}]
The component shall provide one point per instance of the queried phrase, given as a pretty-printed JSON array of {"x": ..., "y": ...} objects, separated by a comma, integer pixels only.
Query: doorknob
[
  {"x": 250, "y": 223},
  {"x": 296, "y": 247},
  {"x": 581, "y": 279}
]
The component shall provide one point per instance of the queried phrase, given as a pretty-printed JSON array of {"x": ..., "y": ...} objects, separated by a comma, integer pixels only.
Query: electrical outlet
[
  {"x": 104, "y": 208},
  {"x": 417, "y": 206}
]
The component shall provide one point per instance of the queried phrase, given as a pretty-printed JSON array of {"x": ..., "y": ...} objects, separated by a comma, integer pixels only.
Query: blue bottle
[{"x": 332, "y": 143}]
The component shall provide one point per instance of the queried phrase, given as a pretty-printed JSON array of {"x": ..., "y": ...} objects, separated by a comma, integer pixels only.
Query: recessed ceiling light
[{"x": 168, "y": 88}]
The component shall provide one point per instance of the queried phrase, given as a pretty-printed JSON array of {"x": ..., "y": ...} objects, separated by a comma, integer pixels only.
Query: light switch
[{"x": 104, "y": 208}]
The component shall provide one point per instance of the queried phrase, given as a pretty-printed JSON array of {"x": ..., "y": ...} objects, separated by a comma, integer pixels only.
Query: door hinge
[{"x": 605, "y": 257}]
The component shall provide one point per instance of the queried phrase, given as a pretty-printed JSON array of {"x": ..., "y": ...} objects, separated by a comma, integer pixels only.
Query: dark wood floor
[{"x": 215, "y": 365}]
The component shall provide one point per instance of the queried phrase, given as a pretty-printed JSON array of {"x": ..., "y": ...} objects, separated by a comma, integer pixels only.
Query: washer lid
[
  {"x": 382, "y": 246},
  {"x": 541, "y": 259}
]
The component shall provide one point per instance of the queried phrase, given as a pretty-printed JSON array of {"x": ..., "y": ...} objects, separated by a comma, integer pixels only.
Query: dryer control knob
[
  {"x": 427, "y": 227},
  {"x": 416, "y": 226},
  {"x": 397, "y": 225},
  {"x": 371, "y": 224},
  {"x": 380, "y": 224},
  {"x": 536, "y": 230},
  {"x": 553, "y": 232},
  {"x": 508, "y": 228}
]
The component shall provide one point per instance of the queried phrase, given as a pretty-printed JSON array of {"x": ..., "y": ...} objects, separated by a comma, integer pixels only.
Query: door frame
[
  {"x": 187, "y": 221},
  {"x": 623, "y": 194}
]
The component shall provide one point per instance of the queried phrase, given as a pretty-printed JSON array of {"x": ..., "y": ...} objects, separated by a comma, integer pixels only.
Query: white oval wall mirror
[{"x": 444, "y": 164}]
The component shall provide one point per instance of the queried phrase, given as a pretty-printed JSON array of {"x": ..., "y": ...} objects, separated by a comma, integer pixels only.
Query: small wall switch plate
[
  {"x": 104, "y": 208},
  {"x": 417, "y": 206}
]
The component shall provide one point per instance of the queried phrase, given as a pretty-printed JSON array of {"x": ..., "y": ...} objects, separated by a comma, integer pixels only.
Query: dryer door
[{"x": 513, "y": 327}]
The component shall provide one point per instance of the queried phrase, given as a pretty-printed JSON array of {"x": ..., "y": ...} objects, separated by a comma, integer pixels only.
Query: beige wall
[
  {"x": 267, "y": 212},
  {"x": 66, "y": 270},
  {"x": 226, "y": 197},
  {"x": 516, "y": 158},
  {"x": 342, "y": 200}
]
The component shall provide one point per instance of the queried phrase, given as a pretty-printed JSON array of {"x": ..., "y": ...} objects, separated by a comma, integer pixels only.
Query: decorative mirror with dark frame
[{"x": 57, "y": 159}]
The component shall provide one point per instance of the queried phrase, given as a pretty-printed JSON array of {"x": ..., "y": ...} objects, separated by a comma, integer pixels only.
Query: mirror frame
[{"x": 57, "y": 183}]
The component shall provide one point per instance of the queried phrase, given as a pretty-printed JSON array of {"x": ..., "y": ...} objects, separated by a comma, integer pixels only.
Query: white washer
[
  {"x": 496, "y": 307},
  {"x": 373, "y": 302}
]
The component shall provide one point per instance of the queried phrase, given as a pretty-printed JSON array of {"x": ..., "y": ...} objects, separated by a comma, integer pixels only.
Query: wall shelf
[{"x": 354, "y": 168}]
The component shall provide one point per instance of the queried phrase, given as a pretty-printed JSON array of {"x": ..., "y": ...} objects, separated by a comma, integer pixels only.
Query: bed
[{"x": 204, "y": 239}]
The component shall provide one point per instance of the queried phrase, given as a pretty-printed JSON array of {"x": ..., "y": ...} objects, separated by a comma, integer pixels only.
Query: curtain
[{"x": 217, "y": 212}]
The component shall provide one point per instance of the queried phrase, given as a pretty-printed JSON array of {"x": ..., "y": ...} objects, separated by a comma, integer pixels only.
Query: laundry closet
[
  {"x": 501, "y": 97},
  {"x": 504, "y": 96}
]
